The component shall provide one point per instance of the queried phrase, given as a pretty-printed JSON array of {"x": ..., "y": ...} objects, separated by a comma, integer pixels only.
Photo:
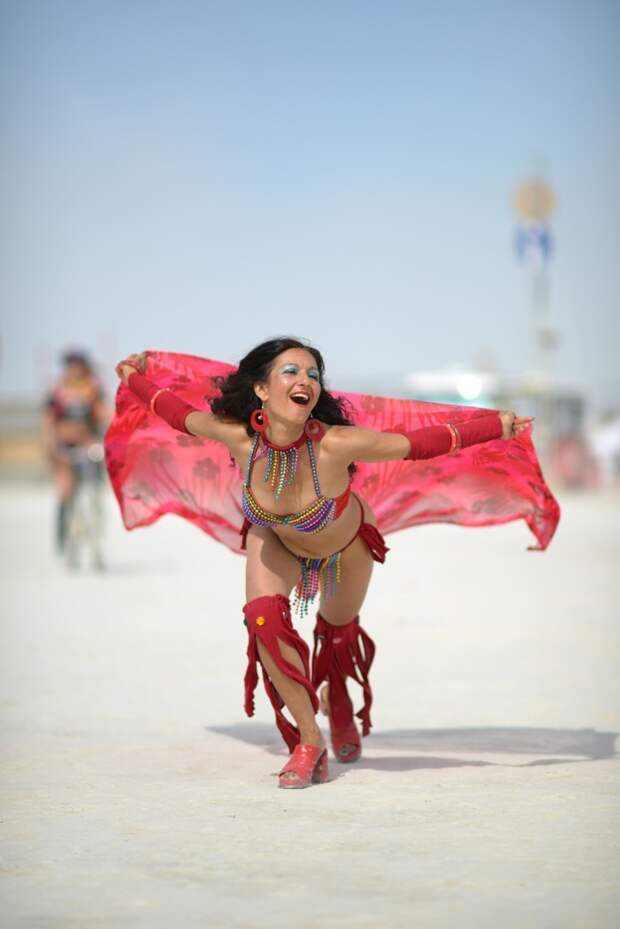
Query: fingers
[
  {"x": 128, "y": 365},
  {"x": 136, "y": 360},
  {"x": 521, "y": 425},
  {"x": 514, "y": 425}
]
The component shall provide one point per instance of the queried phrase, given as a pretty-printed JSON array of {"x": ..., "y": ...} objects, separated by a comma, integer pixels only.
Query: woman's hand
[
  {"x": 513, "y": 425},
  {"x": 130, "y": 364}
]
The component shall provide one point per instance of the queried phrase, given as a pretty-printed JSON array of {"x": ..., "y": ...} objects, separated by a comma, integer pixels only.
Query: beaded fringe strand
[
  {"x": 281, "y": 468},
  {"x": 318, "y": 575}
]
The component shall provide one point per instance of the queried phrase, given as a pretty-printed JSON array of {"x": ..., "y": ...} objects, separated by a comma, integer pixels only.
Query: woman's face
[
  {"x": 293, "y": 387},
  {"x": 76, "y": 370}
]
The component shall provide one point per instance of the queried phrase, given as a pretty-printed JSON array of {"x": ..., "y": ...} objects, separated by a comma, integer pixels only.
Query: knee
[
  {"x": 270, "y": 630},
  {"x": 266, "y": 614},
  {"x": 331, "y": 617},
  {"x": 65, "y": 492},
  {"x": 64, "y": 483},
  {"x": 329, "y": 635}
]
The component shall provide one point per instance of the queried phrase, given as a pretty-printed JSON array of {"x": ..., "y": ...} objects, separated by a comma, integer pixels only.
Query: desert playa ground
[{"x": 136, "y": 793}]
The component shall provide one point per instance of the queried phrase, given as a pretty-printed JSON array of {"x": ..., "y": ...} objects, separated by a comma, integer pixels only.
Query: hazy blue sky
[{"x": 197, "y": 176}]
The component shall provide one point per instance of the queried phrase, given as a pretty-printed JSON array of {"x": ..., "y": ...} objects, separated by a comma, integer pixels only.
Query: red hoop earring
[
  {"x": 259, "y": 420},
  {"x": 314, "y": 430}
]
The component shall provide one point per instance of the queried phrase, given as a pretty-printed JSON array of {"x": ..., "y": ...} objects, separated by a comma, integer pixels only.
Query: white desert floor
[{"x": 136, "y": 793}]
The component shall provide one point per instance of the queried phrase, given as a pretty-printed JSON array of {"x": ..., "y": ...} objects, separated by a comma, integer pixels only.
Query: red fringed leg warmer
[
  {"x": 341, "y": 652},
  {"x": 268, "y": 621}
]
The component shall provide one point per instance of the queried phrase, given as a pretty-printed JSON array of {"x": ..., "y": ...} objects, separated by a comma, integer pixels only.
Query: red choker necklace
[{"x": 303, "y": 438}]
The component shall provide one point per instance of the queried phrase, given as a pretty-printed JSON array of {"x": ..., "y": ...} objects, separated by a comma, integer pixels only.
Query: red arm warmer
[
  {"x": 437, "y": 440},
  {"x": 161, "y": 402}
]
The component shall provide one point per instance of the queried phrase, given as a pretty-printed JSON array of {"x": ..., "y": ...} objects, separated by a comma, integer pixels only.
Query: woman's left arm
[{"x": 351, "y": 443}]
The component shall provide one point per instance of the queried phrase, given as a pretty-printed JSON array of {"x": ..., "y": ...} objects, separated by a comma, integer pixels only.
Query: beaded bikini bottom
[{"x": 320, "y": 575}]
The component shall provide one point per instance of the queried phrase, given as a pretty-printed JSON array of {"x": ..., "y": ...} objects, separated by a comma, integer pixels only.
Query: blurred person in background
[
  {"x": 74, "y": 418},
  {"x": 605, "y": 444}
]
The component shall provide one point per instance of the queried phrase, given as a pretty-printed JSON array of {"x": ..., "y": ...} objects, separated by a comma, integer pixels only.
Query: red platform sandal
[{"x": 309, "y": 765}]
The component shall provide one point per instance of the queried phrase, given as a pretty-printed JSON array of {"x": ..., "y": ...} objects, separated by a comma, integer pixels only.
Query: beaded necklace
[
  {"x": 313, "y": 518},
  {"x": 282, "y": 463}
]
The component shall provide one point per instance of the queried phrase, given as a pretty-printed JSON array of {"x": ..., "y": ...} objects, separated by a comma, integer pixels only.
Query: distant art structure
[{"x": 535, "y": 203}]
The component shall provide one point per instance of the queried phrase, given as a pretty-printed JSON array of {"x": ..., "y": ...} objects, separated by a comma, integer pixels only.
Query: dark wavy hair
[{"x": 237, "y": 399}]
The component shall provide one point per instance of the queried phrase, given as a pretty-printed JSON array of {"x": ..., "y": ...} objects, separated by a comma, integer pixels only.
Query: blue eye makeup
[{"x": 294, "y": 369}]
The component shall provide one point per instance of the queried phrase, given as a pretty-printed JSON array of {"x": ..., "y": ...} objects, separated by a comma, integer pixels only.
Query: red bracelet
[
  {"x": 171, "y": 408},
  {"x": 455, "y": 439},
  {"x": 154, "y": 398}
]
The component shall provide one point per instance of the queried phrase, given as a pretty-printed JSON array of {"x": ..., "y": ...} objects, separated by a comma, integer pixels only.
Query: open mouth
[{"x": 300, "y": 399}]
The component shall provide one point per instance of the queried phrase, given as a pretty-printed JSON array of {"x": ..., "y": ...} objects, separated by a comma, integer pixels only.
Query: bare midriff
[
  {"x": 331, "y": 539},
  {"x": 73, "y": 433}
]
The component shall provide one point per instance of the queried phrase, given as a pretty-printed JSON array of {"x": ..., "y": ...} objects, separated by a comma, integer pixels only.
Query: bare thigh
[
  {"x": 356, "y": 566},
  {"x": 270, "y": 567},
  {"x": 63, "y": 479}
]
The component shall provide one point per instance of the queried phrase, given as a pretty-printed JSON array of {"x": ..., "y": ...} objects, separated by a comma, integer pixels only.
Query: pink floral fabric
[{"x": 155, "y": 470}]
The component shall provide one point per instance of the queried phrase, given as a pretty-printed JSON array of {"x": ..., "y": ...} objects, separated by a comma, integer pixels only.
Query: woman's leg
[
  {"x": 64, "y": 483},
  {"x": 271, "y": 573},
  {"x": 356, "y": 566},
  {"x": 343, "y": 649}
]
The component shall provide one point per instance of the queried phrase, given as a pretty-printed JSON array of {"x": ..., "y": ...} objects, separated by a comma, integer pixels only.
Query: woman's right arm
[{"x": 164, "y": 403}]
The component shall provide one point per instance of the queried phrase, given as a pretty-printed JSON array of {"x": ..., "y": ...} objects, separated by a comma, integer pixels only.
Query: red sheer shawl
[{"x": 155, "y": 470}]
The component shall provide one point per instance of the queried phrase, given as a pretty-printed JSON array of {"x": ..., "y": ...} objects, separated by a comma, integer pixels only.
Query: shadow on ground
[{"x": 574, "y": 744}]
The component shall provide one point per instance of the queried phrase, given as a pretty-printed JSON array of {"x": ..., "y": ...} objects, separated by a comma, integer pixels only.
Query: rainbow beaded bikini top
[{"x": 313, "y": 518}]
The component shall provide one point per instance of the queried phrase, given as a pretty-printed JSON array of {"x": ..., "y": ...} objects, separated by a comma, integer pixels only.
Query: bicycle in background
[{"x": 84, "y": 511}]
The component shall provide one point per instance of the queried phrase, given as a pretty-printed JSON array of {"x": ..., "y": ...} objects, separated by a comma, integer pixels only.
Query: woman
[
  {"x": 304, "y": 528},
  {"x": 74, "y": 416}
]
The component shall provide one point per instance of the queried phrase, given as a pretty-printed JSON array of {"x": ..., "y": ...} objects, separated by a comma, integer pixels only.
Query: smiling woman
[
  {"x": 305, "y": 528},
  {"x": 298, "y": 377}
]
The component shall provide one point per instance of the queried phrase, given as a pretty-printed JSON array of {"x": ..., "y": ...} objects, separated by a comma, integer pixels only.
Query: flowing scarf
[{"x": 155, "y": 470}]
